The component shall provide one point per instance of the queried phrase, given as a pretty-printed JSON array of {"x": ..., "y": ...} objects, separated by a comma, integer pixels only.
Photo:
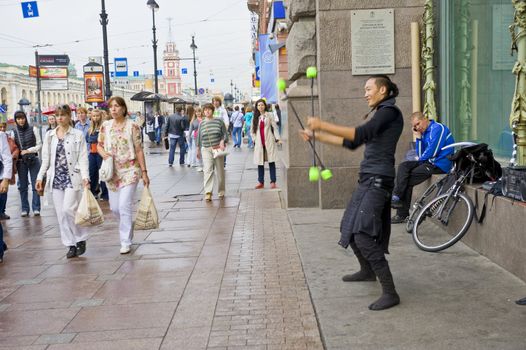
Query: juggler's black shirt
[{"x": 380, "y": 135}]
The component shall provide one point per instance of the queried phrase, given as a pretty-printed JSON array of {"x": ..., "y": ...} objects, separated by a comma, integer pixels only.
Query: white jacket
[
  {"x": 76, "y": 155},
  {"x": 5, "y": 157}
]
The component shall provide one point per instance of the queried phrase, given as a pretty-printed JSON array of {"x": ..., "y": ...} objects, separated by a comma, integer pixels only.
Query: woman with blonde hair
[
  {"x": 65, "y": 165},
  {"x": 120, "y": 139},
  {"x": 212, "y": 135},
  {"x": 51, "y": 122},
  {"x": 94, "y": 158},
  {"x": 266, "y": 137},
  {"x": 192, "y": 137}
]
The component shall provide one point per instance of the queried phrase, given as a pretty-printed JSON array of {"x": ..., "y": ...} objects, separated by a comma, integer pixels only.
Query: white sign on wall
[{"x": 372, "y": 41}]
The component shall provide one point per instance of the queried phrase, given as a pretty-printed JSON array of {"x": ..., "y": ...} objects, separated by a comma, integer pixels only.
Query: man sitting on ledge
[{"x": 431, "y": 137}]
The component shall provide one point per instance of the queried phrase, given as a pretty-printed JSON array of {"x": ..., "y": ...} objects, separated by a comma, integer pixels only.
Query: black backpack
[{"x": 486, "y": 168}]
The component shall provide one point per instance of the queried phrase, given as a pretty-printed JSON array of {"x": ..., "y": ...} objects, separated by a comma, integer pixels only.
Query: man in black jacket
[
  {"x": 174, "y": 131},
  {"x": 366, "y": 223}
]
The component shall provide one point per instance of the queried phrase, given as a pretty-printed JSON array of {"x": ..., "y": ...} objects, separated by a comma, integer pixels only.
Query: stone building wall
[{"x": 320, "y": 35}]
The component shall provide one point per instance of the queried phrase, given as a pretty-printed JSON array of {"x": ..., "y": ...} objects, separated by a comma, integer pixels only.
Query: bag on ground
[
  {"x": 147, "y": 217},
  {"x": 88, "y": 212},
  {"x": 106, "y": 169}
]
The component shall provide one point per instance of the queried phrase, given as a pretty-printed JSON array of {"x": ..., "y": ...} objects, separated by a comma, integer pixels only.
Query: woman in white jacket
[
  {"x": 265, "y": 134},
  {"x": 65, "y": 165},
  {"x": 6, "y": 168}
]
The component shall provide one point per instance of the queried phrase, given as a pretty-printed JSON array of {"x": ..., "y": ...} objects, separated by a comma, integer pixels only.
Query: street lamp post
[
  {"x": 194, "y": 47},
  {"x": 104, "y": 23},
  {"x": 154, "y": 6}
]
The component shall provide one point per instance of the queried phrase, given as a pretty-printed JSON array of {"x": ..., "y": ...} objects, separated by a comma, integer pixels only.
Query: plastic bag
[
  {"x": 147, "y": 217},
  {"x": 106, "y": 169},
  {"x": 88, "y": 212}
]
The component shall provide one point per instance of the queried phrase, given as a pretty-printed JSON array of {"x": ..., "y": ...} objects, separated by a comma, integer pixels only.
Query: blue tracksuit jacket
[{"x": 429, "y": 147}]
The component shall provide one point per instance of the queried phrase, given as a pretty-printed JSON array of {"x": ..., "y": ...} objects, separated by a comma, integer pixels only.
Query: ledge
[{"x": 501, "y": 237}]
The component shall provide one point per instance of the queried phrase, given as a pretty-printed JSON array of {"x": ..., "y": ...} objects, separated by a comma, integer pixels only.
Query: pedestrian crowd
[{"x": 69, "y": 155}]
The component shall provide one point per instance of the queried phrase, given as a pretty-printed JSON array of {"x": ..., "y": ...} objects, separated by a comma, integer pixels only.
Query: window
[{"x": 475, "y": 79}]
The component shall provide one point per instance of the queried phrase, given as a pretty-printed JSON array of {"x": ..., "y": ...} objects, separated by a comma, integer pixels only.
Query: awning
[{"x": 148, "y": 96}]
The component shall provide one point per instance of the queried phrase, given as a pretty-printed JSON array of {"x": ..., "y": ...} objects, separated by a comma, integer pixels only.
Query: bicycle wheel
[
  {"x": 429, "y": 194},
  {"x": 443, "y": 222}
]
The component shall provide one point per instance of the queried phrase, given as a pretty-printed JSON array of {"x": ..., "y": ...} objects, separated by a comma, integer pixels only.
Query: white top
[{"x": 5, "y": 157}]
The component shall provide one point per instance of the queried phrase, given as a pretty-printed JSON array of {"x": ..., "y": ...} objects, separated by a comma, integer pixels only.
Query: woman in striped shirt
[{"x": 212, "y": 135}]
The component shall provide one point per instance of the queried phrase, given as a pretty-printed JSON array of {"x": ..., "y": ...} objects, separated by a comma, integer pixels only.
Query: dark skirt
[{"x": 369, "y": 212}]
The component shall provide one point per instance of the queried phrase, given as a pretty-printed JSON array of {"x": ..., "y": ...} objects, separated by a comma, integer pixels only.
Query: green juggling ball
[
  {"x": 282, "y": 85},
  {"x": 326, "y": 174},
  {"x": 312, "y": 72},
  {"x": 314, "y": 174}
]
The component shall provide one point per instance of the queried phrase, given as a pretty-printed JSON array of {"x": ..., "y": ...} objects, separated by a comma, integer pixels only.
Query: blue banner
[{"x": 268, "y": 69}]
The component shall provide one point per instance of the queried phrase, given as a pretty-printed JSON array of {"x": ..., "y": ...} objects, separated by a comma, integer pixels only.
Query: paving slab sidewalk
[{"x": 456, "y": 299}]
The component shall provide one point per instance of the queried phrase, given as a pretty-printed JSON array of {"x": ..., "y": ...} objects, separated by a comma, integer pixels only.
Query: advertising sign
[
  {"x": 268, "y": 71},
  {"x": 49, "y": 72},
  {"x": 121, "y": 67},
  {"x": 54, "y": 84},
  {"x": 53, "y": 60},
  {"x": 93, "y": 87}
]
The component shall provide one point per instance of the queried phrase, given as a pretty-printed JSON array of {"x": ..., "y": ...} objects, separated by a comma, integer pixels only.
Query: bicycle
[
  {"x": 445, "y": 219},
  {"x": 433, "y": 191}
]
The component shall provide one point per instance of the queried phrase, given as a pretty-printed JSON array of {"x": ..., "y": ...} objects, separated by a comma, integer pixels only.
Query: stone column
[
  {"x": 518, "y": 105},
  {"x": 301, "y": 51}
]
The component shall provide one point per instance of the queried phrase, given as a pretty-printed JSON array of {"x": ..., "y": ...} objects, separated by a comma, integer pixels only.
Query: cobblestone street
[
  {"x": 242, "y": 273},
  {"x": 213, "y": 276}
]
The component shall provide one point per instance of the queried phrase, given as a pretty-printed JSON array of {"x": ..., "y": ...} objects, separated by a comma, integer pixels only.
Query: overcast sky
[{"x": 221, "y": 28}]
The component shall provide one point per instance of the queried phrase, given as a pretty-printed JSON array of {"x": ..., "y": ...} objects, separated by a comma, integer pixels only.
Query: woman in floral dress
[{"x": 120, "y": 138}]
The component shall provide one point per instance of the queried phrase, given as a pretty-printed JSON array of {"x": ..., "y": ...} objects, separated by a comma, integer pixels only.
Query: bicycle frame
[{"x": 453, "y": 191}]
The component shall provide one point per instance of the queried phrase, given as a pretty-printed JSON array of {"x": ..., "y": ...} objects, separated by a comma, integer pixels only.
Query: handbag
[
  {"x": 106, "y": 168},
  {"x": 41, "y": 193},
  {"x": 88, "y": 212},
  {"x": 147, "y": 217},
  {"x": 216, "y": 152}
]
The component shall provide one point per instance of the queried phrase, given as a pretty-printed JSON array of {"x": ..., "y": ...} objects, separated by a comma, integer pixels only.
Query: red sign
[{"x": 93, "y": 87}]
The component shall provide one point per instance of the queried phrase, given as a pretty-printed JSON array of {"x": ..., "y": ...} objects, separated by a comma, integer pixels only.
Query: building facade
[
  {"x": 471, "y": 87},
  {"x": 15, "y": 84}
]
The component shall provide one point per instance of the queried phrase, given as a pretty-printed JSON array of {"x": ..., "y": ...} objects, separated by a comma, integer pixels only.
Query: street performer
[{"x": 366, "y": 223}]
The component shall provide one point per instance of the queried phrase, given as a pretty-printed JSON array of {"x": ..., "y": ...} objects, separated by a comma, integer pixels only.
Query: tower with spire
[{"x": 171, "y": 63}]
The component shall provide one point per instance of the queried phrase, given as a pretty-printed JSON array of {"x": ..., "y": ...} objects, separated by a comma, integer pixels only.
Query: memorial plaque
[{"x": 372, "y": 41}]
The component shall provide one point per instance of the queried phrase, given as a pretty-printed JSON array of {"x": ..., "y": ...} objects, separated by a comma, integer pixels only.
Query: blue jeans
[
  {"x": 24, "y": 172},
  {"x": 95, "y": 161},
  {"x": 250, "y": 142},
  {"x": 2, "y": 244},
  {"x": 182, "y": 150},
  {"x": 158, "y": 135},
  {"x": 236, "y": 135},
  {"x": 272, "y": 170},
  {"x": 3, "y": 202}
]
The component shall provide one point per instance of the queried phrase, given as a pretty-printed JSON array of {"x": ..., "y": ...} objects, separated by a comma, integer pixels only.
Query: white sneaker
[
  {"x": 36, "y": 212},
  {"x": 24, "y": 214},
  {"x": 125, "y": 249}
]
